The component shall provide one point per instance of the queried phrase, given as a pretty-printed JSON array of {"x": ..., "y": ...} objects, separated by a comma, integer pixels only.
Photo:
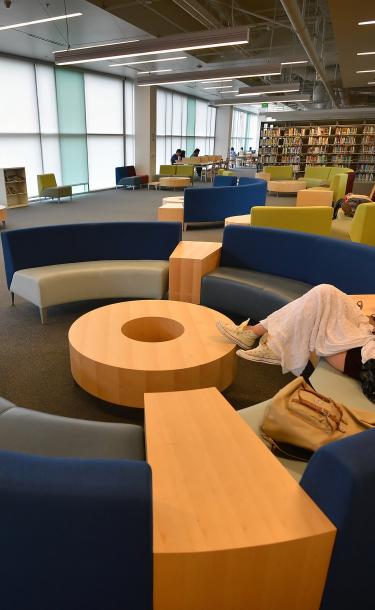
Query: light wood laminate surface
[
  {"x": 174, "y": 181},
  {"x": 232, "y": 529},
  {"x": 120, "y": 351},
  {"x": 285, "y": 186},
  {"x": 188, "y": 263},
  {"x": 172, "y": 212}
]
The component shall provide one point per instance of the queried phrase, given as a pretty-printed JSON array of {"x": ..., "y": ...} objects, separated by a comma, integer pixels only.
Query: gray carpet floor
[{"x": 34, "y": 358}]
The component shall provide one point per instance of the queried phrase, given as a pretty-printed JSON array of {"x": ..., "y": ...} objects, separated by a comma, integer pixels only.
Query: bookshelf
[
  {"x": 298, "y": 144},
  {"x": 13, "y": 189}
]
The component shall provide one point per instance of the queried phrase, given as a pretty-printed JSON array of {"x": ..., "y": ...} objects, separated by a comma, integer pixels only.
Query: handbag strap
[{"x": 334, "y": 421}]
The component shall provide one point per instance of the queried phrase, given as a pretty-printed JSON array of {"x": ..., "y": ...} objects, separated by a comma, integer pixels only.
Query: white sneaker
[
  {"x": 262, "y": 353},
  {"x": 238, "y": 334}
]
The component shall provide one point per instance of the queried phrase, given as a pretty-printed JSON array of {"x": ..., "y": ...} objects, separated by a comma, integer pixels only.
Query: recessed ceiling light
[
  {"x": 152, "y": 46},
  {"x": 367, "y": 22},
  {"x": 24, "y": 23},
  {"x": 155, "y": 71},
  {"x": 290, "y": 63},
  {"x": 219, "y": 87},
  {"x": 364, "y": 71},
  {"x": 148, "y": 61}
]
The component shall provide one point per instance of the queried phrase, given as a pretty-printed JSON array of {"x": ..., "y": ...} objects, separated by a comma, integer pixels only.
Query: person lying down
[{"x": 326, "y": 321}]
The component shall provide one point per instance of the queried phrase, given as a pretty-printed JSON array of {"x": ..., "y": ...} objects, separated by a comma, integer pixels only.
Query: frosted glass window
[
  {"x": 45, "y": 80},
  {"x": 201, "y": 118},
  {"x": 23, "y": 151},
  {"x": 160, "y": 152},
  {"x": 161, "y": 101},
  {"x": 51, "y": 156},
  {"x": 184, "y": 115},
  {"x": 104, "y": 154},
  {"x": 168, "y": 114},
  {"x": 104, "y": 104},
  {"x": 177, "y": 115},
  {"x": 73, "y": 152},
  {"x": 201, "y": 144},
  {"x": 130, "y": 150},
  {"x": 18, "y": 102},
  {"x": 129, "y": 107},
  {"x": 70, "y": 101}
]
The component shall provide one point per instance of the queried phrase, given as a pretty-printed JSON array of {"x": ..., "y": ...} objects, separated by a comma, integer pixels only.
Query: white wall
[{"x": 145, "y": 130}]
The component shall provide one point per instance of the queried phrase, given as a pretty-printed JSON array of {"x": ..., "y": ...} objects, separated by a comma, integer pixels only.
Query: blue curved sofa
[
  {"x": 216, "y": 204},
  {"x": 262, "y": 269},
  {"x": 59, "y": 264},
  {"x": 76, "y": 513}
]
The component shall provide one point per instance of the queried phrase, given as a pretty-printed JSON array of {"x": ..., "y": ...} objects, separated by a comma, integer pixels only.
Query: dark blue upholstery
[
  {"x": 124, "y": 172},
  {"x": 340, "y": 478},
  {"x": 301, "y": 256},
  {"x": 53, "y": 245},
  {"x": 247, "y": 180},
  {"x": 75, "y": 534},
  {"x": 263, "y": 269},
  {"x": 225, "y": 181},
  {"x": 211, "y": 205}
]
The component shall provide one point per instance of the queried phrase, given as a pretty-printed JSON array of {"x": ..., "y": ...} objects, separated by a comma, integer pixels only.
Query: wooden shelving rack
[
  {"x": 13, "y": 188},
  {"x": 351, "y": 145}
]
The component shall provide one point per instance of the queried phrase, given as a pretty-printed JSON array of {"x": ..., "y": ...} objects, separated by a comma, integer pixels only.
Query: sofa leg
[
  {"x": 184, "y": 226},
  {"x": 12, "y": 298},
  {"x": 43, "y": 314}
]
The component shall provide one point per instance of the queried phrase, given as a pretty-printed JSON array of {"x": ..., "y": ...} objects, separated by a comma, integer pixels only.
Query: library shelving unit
[
  {"x": 298, "y": 144},
  {"x": 13, "y": 189}
]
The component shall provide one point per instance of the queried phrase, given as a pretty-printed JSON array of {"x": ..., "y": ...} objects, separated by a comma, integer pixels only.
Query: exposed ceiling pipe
[
  {"x": 199, "y": 13},
  {"x": 295, "y": 17}
]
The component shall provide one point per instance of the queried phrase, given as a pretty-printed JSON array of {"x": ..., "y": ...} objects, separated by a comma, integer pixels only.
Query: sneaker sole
[
  {"x": 258, "y": 359},
  {"x": 235, "y": 340}
]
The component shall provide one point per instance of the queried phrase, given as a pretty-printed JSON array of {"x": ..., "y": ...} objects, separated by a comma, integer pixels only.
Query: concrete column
[
  {"x": 145, "y": 130},
  {"x": 223, "y": 130}
]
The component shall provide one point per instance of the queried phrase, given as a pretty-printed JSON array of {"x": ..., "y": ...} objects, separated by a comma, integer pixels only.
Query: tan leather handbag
[{"x": 299, "y": 418}]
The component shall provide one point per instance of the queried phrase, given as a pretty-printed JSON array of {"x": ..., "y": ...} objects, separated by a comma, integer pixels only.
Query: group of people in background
[{"x": 179, "y": 155}]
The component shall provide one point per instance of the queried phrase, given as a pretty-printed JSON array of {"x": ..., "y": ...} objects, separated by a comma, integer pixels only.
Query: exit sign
[{"x": 264, "y": 105}]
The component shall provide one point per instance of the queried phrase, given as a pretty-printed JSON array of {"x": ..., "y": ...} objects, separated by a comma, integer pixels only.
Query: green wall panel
[{"x": 190, "y": 126}]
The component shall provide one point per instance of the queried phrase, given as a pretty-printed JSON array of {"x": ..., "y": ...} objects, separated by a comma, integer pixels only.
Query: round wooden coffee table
[
  {"x": 174, "y": 181},
  {"x": 285, "y": 186},
  {"x": 120, "y": 351}
]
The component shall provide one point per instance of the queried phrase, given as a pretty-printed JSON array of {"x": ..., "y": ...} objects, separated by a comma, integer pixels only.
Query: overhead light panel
[
  {"x": 25, "y": 23},
  {"x": 94, "y": 46},
  {"x": 155, "y": 71},
  {"x": 364, "y": 71},
  {"x": 269, "y": 89},
  {"x": 231, "y": 91},
  {"x": 261, "y": 100},
  {"x": 147, "y": 61},
  {"x": 178, "y": 42},
  {"x": 230, "y": 72},
  {"x": 291, "y": 63},
  {"x": 367, "y": 53},
  {"x": 218, "y": 87},
  {"x": 220, "y": 80},
  {"x": 367, "y": 22}
]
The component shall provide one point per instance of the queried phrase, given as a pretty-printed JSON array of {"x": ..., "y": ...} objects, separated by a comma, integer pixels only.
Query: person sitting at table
[
  {"x": 198, "y": 168},
  {"x": 182, "y": 155},
  {"x": 326, "y": 321},
  {"x": 176, "y": 157}
]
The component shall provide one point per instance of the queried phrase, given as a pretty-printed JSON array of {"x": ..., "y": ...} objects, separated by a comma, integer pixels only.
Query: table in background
[{"x": 285, "y": 186}]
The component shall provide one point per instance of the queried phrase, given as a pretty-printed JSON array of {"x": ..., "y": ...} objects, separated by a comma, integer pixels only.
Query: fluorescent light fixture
[
  {"x": 291, "y": 63},
  {"x": 167, "y": 44},
  {"x": 231, "y": 91},
  {"x": 221, "y": 80},
  {"x": 105, "y": 44},
  {"x": 367, "y": 53},
  {"x": 371, "y": 82},
  {"x": 155, "y": 71},
  {"x": 269, "y": 89},
  {"x": 24, "y": 23},
  {"x": 219, "y": 87},
  {"x": 364, "y": 71},
  {"x": 215, "y": 75},
  {"x": 147, "y": 61},
  {"x": 367, "y": 22},
  {"x": 261, "y": 100}
]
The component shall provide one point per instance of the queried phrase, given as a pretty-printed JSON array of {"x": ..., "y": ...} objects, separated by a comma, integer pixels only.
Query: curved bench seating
[
  {"x": 215, "y": 204},
  {"x": 262, "y": 269},
  {"x": 75, "y": 502},
  {"x": 66, "y": 263}
]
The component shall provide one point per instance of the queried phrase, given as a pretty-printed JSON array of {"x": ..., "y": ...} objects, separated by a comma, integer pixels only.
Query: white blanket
[{"x": 325, "y": 321}]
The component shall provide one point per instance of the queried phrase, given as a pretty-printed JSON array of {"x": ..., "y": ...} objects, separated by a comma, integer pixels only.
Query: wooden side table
[
  {"x": 3, "y": 214},
  {"x": 174, "y": 182},
  {"x": 189, "y": 262},
  {"x": 232, "y": 528},
  {"x": 171, "y": 212}
]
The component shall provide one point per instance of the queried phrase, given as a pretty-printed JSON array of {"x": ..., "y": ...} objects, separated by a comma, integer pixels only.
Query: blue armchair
[{"x": 225, "y": 181}]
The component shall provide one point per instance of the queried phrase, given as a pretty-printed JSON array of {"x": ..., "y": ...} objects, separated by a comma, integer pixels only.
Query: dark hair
[
  {"x": 367, "y": 378},
  {"x": 178, "y": 150},
  {"x": 183, "y": 152}
]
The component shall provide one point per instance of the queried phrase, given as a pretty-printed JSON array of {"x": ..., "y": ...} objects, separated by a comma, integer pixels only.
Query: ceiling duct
[{"x": 295, "y": 17}]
